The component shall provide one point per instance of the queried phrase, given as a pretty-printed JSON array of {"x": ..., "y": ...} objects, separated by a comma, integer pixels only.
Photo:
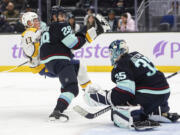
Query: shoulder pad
[{"x": 29, "y": 30}]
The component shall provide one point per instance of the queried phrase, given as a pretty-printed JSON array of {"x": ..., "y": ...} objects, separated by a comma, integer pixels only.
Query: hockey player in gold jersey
[{"x": 30, "y": 40}]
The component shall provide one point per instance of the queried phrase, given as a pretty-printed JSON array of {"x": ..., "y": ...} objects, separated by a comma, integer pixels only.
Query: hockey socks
[
  {"x": 62, "y": 103},
  {"x": 57, "y": 114}
]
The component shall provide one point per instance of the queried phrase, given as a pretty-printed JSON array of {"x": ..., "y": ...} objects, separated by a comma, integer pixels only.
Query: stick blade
[{"x": 82, "y": 112}]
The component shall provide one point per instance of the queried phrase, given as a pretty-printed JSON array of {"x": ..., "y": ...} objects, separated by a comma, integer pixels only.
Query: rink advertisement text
[
  {"x": 86, "y": 52},
  {"x": 162, "y": 48}
]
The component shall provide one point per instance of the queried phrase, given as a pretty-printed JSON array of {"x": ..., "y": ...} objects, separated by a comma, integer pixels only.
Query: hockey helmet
[
  {"x": 57, "y": 10},
  {"x": 117, "y": 48},
  {"x": 28, "y": 16},
  {"x": 70, "y": 15}
]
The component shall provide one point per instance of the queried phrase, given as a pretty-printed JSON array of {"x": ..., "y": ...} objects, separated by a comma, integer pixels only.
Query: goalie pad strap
[{"x": 96, "y": 99}]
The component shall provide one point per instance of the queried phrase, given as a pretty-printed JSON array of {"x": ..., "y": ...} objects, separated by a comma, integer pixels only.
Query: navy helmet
[
  {"x": 57, "y": 10},
  {"x": 70, "y": 15},
  {"x": 117, "y": 48}
]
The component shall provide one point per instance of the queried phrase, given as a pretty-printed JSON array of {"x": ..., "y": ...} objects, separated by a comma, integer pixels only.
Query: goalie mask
[{"x": 117, "y": 48}]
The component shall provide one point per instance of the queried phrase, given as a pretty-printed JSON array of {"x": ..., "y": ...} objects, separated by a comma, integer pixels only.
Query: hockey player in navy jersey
[
  {"x": 138, "y": 82},
  {"x": 31, "y": 45},
  {"x": 55, "y": 52}
]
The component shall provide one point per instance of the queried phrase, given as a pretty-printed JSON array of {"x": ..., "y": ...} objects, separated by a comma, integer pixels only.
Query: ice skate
[
  {"x": 145, "y": 125},
  {"x": 171, "y": 116},
  {"x": 57, "y": 115}
]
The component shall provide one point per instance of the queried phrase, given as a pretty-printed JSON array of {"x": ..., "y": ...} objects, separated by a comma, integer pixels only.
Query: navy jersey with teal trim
[
  {"x": 136, "y": 73},
  {"x": 57, "y": 42}
]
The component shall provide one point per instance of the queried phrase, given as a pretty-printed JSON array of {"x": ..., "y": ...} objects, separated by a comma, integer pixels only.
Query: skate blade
[
  {"x": 61, "y": 119},
  {"x": 146, "y": 128}
]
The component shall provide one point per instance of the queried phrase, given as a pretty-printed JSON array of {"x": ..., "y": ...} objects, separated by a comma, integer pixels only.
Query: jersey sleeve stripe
[
  {"x": 165, "y": 91},
  {"x": 76, "y": 46},
  {"x": 54, "y": 58},
  {"x": 127, "y": 85},
  {"x": 123, "y": 91},
  {"x": 56, "y": 54},
  {"x": 151, "y": 88}
]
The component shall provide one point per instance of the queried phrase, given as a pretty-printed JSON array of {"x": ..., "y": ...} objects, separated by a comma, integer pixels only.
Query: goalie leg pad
[
  {"x": 96, "y": 99},
  {"x": 132, "y": 117},
  {"x": 122, "y": 116}
]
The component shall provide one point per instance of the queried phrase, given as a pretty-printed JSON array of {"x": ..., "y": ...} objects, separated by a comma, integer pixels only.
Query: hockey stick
[
  {"x": 15, "y": 67},
  {"x": 89, "y": 115},
  {"x": 173, "y": 74}
]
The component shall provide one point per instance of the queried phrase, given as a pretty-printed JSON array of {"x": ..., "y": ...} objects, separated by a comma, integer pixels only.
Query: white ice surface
[{"x": 26, "y": 100}]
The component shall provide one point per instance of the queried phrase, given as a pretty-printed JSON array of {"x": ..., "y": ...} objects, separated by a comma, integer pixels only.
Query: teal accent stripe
[
  {"x": 127, "y": 85},
  {"x": 121, "y": 125},
  {"x": 53, "y": 58},
  {"x": 70, "y": 41},
  {"x": 124, "y": 112},
  {"x": 67, "y": 96},
  {"x": 154, "y": 92}
]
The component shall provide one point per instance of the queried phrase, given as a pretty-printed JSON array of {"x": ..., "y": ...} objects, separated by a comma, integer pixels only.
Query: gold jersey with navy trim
[{"x": 30, "y": 44}]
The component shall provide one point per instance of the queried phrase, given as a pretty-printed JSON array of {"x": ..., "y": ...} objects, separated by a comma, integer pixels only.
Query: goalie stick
[
  {"x": 15, "y": 67},
  {"x": 173, "y": 74},
  {"x": 89, "y": 115}
]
